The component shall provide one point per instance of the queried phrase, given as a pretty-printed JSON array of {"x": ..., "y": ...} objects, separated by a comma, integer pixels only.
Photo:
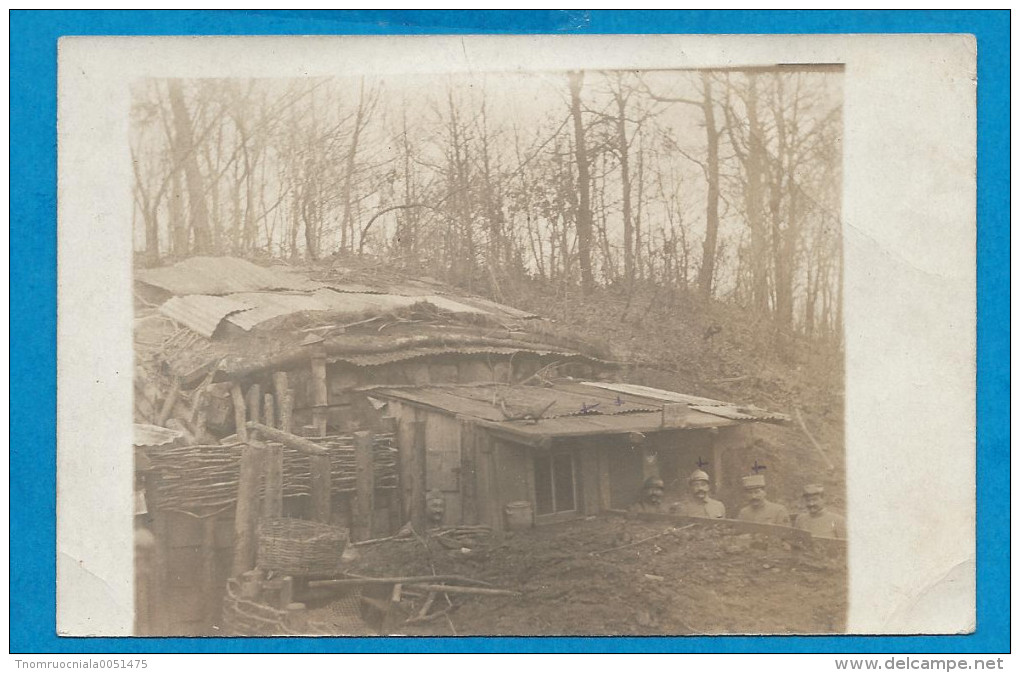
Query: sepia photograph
[{"x": 555, "y": 349}]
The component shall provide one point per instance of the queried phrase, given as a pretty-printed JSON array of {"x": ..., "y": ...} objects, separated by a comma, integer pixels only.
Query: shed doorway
[{"x": 555, "y": 485}]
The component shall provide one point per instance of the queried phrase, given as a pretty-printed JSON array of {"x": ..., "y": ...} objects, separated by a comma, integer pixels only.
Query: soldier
[
  {"x": 651, "y": 497},
  {"x": 819, "y": 521},
  {"x": 435, "y": 508},
  {"x": 698, "y": 502},
  {"x": 758, "y": 509}
]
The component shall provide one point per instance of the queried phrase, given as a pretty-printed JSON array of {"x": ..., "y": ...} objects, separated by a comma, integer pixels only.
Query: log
[
  {"x": 361, "y": 581},
  {"x": 283, "y": 400},
  {"x": 365, "y": 486},
  {"x": 301, "y": 444},
  {"x": 239, "y": 412},
  {"x": 246, "y": 514},
  {"x": 421, "y": 619},
  {"x": 429, "y": 600},
  {"x": 169, "y": 402},
  {"x": 480, "y": 591},
  {"x": 320, "y": 393},
  {"x": 321, "y": 486}
]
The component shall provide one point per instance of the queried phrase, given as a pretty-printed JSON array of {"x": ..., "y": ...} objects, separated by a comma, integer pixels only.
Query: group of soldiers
[{"x": 817, "y": 519}]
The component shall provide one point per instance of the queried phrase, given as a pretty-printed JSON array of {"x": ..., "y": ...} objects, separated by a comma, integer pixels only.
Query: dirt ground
[{"x": 603, "y": 576}]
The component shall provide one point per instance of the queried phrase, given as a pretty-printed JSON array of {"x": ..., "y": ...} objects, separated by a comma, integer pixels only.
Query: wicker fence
[{"x": 195, "y": 478}]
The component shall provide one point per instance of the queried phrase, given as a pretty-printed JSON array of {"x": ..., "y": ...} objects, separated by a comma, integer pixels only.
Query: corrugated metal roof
[
  {"x": 496, "y": 402},
  {"x": 741, "y": 413},
  {"x": 222, "y": 275},
  {"x": 153, "y": 435},
  {"x": 448, "y": 304},
  {"x": 573, "y": 410},
  {"x": 496, "y": 308},
  {"x": 267, "y": 305},
  {"x": 580, "y": 426},
  {"x": 728, "y": 410},
  {"x": 201, "y": 313},
  {"x": 653, "y": 393}
]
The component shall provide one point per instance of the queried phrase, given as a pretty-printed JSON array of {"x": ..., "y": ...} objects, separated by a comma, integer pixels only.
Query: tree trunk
[
  {"x": 583, "y": 219},
  {"x": 706, "y": 275},
  {"x": 185, "y": 155},
  {"x": 628, "y": 219}
]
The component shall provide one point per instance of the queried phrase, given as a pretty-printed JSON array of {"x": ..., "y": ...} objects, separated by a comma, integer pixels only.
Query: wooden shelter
[{"x": 569, "y": 449}]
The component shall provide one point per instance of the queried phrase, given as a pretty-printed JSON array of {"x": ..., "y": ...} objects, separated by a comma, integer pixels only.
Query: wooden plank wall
[
  {"x": 443, "y": 462},
  {"x": 198, "y": 557}
]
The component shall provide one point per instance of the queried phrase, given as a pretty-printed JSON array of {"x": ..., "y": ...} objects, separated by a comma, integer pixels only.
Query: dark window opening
[{"x": 554, "y": 483}]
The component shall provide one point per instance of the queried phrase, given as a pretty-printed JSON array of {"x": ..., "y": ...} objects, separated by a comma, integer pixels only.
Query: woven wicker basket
[{"x": 299, "y": 547}]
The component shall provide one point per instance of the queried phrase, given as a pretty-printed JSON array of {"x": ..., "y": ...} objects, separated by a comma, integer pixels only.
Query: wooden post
[
  {"x": 322, "y": 508},
  {"x": 417, "y": 474},
  {"x": 468, "y": 477},
  {"x": 272, "y": 503},
  {"x": 246, "y": 514},
  {"x": 269, "y": 414},
  {"x": 254, "y": 400},
  {"x": 239, "y": 412},
  {"x": 284, "y": 400},
  {"x": 605, "y": 489},
  {"x": 364, "y": 504},
  {"x": 160, "y": 608},
  {"x": 388, "y": 425},
  {"x": 320, "y": 393},
  {"x": 717, "y": 475},
  {"x": 210, "y": 592}
]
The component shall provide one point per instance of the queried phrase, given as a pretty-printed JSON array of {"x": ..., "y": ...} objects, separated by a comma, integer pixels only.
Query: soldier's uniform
[
  {"x": 690, "y": 505},
  {"x": 821, "y": 522},
  {"x": 643, "y": 506},
  {"x": 709, "y": 509},
  {"x": 766, "y": 512},
  {"x": 770, "y": 512}
]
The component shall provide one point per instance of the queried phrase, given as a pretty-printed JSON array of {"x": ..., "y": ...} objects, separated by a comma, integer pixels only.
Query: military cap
[
  {"x": 698, "y": 475},
  {"x": 754, "y": 481},
  {"x": 654, "y": 482}
]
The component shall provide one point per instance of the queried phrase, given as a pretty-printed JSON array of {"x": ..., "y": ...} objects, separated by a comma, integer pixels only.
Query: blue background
[{"x": 33, "y": 64}]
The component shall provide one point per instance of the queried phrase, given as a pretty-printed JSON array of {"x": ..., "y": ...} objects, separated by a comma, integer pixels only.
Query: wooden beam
[
  {"x": 301, "y": 444},
  {"x": 246, "y": 514},
  {"x": 320, "y": 393},
  {"x": 321, "y": 488},
  {"x": 239, "y": 412},
  {"x": 365, "y": 485}
]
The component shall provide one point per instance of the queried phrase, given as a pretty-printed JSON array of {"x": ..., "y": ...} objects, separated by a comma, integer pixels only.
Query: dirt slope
[{"x": 602, "y": 576}]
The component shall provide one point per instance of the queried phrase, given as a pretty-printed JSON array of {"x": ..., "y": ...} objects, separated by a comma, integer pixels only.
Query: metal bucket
[{"x": 519, "y": 515}]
